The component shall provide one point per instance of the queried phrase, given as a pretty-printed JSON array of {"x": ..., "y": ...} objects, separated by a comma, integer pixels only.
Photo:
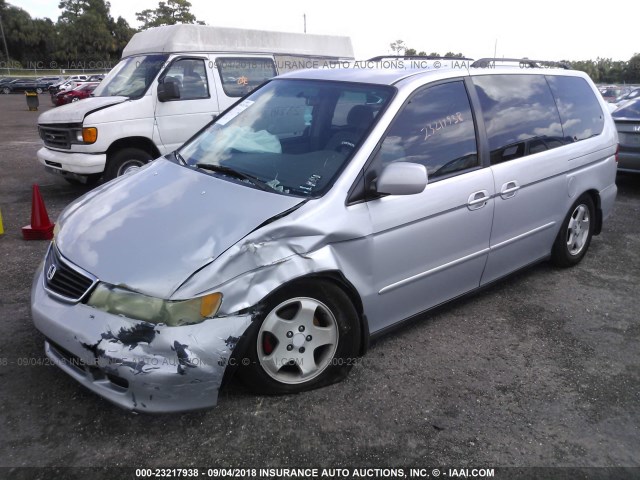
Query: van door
[
  {"x": 523, "y": 129},
  {"x": 238, "y": 76},
  {"x": 178, "y": 119},
  {"x": 432, "y": 246}
]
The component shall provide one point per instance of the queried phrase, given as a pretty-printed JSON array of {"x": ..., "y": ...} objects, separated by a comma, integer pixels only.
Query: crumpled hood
[
  {"x": 75, "y": 112},
  {"x": 153, "y": 229}
]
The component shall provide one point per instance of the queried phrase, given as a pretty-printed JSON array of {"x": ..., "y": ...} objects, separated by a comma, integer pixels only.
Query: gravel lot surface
[{"x": 542, "y": 369}]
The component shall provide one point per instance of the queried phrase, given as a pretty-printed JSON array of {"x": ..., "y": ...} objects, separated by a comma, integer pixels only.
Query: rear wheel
[
  {"x": 126, "y": 161},
  {"x": 6, "y": 90},
  {"x": 308, "y": 337},
  {"x": 575, "y": 235}
]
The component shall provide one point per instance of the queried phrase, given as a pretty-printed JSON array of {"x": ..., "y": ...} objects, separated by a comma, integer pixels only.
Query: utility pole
[
  {"x": 304, "y": 16},
  {"x": 4, "y": 40}
]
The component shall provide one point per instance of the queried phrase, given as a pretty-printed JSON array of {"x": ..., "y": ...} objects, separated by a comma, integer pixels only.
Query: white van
[{"x": 170, "y": 83}]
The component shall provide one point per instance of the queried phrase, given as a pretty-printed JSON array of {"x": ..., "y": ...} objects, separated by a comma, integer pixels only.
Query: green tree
[
  {"x": 171, "y": 12},
  {"x": 398, "y": 47},
  {"x": 87, "y": 32},
  {"x": 410, "y": 52},
  {"x": 28, "y": 40}
]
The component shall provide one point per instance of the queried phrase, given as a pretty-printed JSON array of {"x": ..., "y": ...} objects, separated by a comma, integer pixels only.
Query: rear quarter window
[
  {"x": 579, "y": 108},
  {"x": 241, "y": 75}
]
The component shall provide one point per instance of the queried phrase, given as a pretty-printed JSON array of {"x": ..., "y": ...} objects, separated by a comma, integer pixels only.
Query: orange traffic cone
[{"x": 41, "y": 227}]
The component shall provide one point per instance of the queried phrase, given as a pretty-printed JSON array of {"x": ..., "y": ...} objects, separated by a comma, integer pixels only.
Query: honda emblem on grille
[
  {"x": 51, "y": 272},
  {"x": 636, "y": 128},
  {"x": 49, "y": 136}
]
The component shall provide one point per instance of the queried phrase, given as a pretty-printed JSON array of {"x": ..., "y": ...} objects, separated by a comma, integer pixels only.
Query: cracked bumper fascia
[{"x": 168, "y": 369}]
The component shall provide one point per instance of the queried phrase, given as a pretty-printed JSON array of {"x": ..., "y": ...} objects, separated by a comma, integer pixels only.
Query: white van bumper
[{"x": 78, "y": 163}]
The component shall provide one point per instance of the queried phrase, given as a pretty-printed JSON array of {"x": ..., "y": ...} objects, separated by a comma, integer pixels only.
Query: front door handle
[
  {"x": 478, "y": 200},
  {"x": 509, "y": 189}
]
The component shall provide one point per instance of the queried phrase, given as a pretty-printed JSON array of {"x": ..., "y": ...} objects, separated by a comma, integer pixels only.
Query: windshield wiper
[
  {"x": 179, "y": 157},
  {"x": 235, "y": 174}
]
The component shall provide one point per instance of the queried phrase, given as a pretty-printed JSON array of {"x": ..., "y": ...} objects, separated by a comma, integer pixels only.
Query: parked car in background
[
  {"x": 627, "y": 119},
  {"x": 56, "y": 87},
  {"x": 611, "y": 93},
  {"x": 49, "y": 80},
  {"x": 96, "y": 78},
  {"x": 24, "y": 85},
  {"x": 635, "y": 93},
  {"x": 83, "y": 90}
]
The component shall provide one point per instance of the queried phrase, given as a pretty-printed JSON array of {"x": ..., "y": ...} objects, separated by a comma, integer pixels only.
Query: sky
[{"x": 540, "y": 29}]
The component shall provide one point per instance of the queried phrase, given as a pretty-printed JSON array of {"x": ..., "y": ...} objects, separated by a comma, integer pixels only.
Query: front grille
[
  {"x": 56, "y": 137},
  {"x": 63, "y": 279}
]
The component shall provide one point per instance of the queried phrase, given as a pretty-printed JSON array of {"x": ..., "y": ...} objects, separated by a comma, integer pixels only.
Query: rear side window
[
  {"x": 520, "y": 115},
  {"x": 242, "y": 75},
  {"x": 436, "y": 129},
  {"x": 580, "y": 111}
]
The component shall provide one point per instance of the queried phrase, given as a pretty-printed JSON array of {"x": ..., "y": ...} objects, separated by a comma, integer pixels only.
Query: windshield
[
  {"x": 131, "y": 77},
  {"x": 290, "y": 136}
]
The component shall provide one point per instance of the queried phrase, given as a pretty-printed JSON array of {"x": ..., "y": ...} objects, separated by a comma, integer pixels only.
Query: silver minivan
[{"x": 322, "y": 209}]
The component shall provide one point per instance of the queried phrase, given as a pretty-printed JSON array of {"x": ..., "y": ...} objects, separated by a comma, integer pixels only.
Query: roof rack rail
[
  {"x": 416, "y": 57},
  {"x": 482, "y": 62}
]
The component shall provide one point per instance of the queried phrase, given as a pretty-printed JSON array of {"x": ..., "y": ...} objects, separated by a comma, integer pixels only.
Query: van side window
[
  {"x": 520, "y": 115},
  {"x": 191, "y": 77},
  {"x": 436, "y": 129},
  {"x": 242, "y": 75},
  {"x": 580, "y": 111}
]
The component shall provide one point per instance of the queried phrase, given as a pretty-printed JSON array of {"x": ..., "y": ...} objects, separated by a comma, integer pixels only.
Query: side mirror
[
  {"x": 168, "y": 91},
  {"x": 402, "y": 178}
]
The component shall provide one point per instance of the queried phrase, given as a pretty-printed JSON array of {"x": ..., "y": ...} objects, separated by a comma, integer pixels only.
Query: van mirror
[
  {"x": 168, "y": 91},
  {"x": 402, "y": 178}
]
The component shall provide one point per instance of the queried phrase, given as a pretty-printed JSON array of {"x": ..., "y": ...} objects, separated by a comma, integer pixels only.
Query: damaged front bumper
[{"x": 137, "y": 365}]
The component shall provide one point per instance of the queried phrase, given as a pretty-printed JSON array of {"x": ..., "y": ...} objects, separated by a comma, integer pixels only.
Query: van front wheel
[
  {"x": 125, "y": 161},
  {"x": 306, "y": 336},
  {"x": 575, "y": 234}
]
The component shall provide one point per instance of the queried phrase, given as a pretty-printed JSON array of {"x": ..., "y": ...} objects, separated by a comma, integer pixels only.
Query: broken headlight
[{"x": 120, "y": 301}]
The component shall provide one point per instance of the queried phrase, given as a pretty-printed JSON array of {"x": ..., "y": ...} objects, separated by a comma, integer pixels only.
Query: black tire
[
  {"x": 6, "y": 90},
  {"x": 39, "y": 91},
  {"x": 119, "y": 162},
  {"x": 337, "y": 364},
  {"x": 571, "y": 245}
]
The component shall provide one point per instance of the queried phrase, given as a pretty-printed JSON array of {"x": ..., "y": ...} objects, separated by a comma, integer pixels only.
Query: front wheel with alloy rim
[
  {"x": 575, "y": 234},
  {"x": 6, "y": 90},
  {"x": 38, "y": 91},
  {"x": 125, "y": 161},
  {"x": 307, "y": 336}
]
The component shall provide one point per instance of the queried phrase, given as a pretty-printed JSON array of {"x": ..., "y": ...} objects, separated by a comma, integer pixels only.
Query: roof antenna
[{"x": 304, "y": 16}]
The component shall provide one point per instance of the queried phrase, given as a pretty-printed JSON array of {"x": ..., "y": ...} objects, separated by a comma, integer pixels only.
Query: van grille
[
  {"x": 56, "y": 137},
  {"x": 64, "y": 280}
]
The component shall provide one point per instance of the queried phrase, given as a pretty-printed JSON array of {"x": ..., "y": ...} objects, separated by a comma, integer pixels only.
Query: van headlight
[
  {"x": 85, "y": 135},
  {"x": 120, "y": 301}
]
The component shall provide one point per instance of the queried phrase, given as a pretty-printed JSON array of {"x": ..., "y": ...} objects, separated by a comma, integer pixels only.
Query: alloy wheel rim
[
  {"x": 297, "y": 340},
  {"x": 578, "y": 230}
]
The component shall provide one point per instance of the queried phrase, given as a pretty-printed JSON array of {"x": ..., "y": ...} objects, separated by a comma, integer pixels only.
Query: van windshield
[
  {"x": 131, "y": 77},
  {"x": 290, "y": 136}
]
